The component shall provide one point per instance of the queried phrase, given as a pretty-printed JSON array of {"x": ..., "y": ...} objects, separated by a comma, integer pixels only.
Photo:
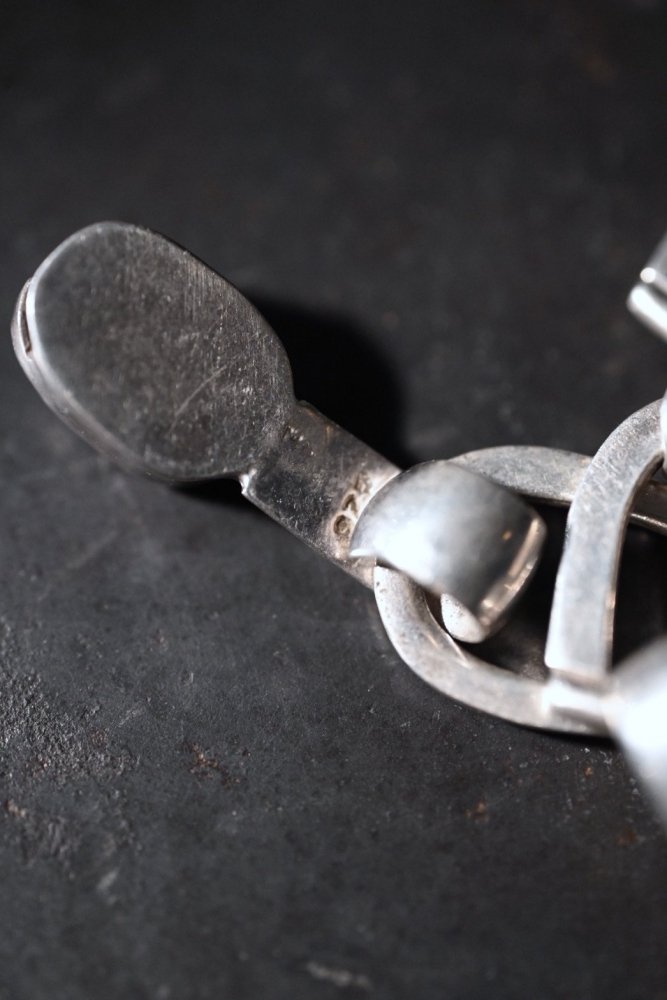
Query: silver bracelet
[{"x": 164, "y": 366}]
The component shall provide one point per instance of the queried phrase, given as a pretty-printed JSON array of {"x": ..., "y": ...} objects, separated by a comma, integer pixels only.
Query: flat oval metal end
[
  {"x": 456, "y": 533},
  {"x": 151, "y": 356}
]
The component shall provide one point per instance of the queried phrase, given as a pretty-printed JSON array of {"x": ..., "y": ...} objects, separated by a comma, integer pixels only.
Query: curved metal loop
[
  {"x": 543, "y": 474},
  {"x": 582, "y": 618},
  {"x": 455, "y": 533},
  {"x": 440, "y": 661}
]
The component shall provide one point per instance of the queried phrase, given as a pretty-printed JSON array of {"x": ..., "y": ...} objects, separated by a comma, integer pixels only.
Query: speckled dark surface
[{"x": 217, "y": 779}]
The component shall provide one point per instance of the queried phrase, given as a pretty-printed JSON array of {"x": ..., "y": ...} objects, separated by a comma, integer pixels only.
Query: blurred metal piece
[
  {"x": 648, "y": 299},
  {"x": 637, "y": 714}
]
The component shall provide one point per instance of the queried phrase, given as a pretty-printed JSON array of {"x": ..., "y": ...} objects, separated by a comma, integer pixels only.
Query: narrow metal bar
[
  {"x": 553, "y": 476},
  {"x": 316, "y": 482},
  {"x": 582, "y": 617}
]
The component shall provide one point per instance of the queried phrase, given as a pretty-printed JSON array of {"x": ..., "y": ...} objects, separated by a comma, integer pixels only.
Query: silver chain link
[{"x": 160, "y": 363}]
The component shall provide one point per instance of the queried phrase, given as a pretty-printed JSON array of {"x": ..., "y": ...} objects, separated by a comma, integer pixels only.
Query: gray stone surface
[{"x": 216, "y": 778}]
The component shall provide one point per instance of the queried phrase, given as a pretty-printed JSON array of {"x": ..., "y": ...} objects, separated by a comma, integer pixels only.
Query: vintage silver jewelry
[{"x": 161, "y": 364}]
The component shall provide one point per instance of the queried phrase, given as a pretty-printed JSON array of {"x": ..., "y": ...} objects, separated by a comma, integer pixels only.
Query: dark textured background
[{"x": 216, "y": 778}]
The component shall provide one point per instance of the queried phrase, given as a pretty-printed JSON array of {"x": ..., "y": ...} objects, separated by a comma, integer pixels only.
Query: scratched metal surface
[{"x": 216, "y": 779}]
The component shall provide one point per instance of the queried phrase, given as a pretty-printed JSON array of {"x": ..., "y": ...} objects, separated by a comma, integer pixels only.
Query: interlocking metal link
[
  {"x": 162, "y": 365},
  {"x": 422, "y": 523},
  {"x": 549, "y": 704}
]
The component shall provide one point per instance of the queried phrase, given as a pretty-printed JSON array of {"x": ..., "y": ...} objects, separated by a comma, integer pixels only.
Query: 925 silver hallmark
[{"x": 164, "y": 366}]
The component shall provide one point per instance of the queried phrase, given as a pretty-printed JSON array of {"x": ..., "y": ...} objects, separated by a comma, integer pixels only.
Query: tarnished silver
[
  {"x": 447, "y": 666},
  {"x": 163, "y": 365},
  {"x": 545, "y": 702},
  {"x": 553, "y": 476},
  {"x": 403, "y": 526}
]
